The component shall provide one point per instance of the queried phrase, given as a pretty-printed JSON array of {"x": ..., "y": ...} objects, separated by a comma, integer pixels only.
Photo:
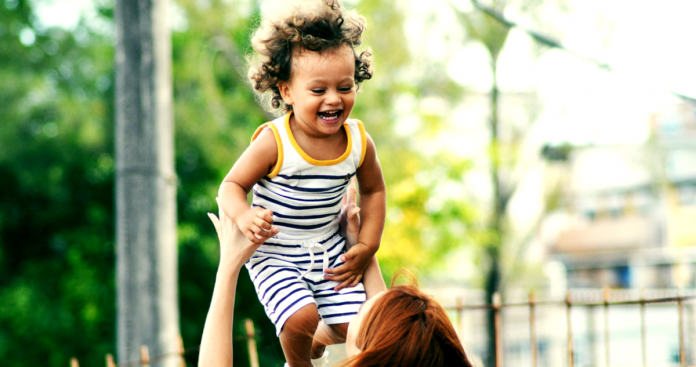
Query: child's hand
[
  {"x": 234, "y": 248},
  {"x": 257, "y": 224},
  {"x": 349, "y": 221},
  {"x": 351, "y": 271}
]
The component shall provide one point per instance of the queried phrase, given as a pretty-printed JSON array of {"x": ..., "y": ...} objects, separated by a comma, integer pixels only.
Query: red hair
[{"x": 405, "y": 327}]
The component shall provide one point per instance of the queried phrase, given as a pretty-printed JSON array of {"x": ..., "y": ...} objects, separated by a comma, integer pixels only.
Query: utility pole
[{"x": 146, "y": 257}]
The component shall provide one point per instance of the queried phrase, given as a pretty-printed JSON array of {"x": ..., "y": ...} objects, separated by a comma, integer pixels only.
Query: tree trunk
[
  {"x": 499, "y": 202},
  {"x": 146, "y": 261},
  {"x": 492, "y": 286}
]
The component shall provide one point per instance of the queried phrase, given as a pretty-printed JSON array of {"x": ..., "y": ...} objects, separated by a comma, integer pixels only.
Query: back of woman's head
[{"x": 405, "y": 327}]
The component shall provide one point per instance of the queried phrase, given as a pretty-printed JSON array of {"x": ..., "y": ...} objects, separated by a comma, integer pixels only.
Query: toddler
[{"x": 299, "y": 167}]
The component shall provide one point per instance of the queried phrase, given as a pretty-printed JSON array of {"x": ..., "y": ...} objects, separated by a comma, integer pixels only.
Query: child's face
[{"x": 321, "y": 90}]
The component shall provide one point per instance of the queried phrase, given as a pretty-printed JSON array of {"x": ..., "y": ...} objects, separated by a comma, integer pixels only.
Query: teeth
[{"x": 329, "y": 115}]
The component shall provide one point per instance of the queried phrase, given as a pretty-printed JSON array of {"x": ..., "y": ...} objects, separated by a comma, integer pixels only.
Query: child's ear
[{"x": 284, "y": 89}]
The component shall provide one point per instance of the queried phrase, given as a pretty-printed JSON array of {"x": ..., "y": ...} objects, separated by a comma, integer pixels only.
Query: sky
[{"x": 649, "y": 44}]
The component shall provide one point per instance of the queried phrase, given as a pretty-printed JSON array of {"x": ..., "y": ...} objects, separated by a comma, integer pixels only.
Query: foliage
[{"x": 56, "y": 205}]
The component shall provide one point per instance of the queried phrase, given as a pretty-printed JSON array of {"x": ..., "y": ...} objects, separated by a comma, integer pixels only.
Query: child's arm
[
  {"x": 256, "y": 162},
  {"x": 372, "y": 212}
]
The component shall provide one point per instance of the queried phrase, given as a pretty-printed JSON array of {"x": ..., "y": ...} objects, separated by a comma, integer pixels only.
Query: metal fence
[
  {"x": 570, "y": 304},
  {"x": 608, "y": 300},
  {"x": 146, "y": 359}
]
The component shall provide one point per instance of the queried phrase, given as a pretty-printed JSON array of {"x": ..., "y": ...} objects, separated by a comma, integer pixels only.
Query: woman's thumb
[{"x": 353, "y": 212}]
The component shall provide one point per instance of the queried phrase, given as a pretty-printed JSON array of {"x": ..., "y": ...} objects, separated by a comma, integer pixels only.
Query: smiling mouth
[{"x": 330, "y": 116}]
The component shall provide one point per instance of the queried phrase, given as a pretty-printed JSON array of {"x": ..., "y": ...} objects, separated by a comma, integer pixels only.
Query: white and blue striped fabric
[{"x": 305, "y": 196}]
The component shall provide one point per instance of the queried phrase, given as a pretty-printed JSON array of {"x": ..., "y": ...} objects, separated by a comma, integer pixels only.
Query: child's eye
[
  {"x": 345, "y": 89},
  {"x": 318, "y": 91}
]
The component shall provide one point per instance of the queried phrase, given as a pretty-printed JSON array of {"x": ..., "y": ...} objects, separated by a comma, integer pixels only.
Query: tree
[
  {"x": 56, "y": 192},
  {"x": 148, "y": 312},
  {"x": 492, "y": 35},
  {"x": 505, "y": 176}
]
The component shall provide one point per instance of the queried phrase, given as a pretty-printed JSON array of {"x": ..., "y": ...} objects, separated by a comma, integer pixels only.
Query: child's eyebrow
[{"x": 320, "y": 80}]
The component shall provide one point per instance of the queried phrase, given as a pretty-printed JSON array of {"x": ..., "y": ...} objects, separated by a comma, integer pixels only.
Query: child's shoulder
[
  {"x": 266, "y": 136},
  {"x": 268, "y": 130},
  {"x": 354, "y": 123}
]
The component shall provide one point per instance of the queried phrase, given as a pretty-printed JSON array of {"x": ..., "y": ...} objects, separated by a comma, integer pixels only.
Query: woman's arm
[
  {"x": 235, "y": 250},
  {"x": 372, "y": 279}
]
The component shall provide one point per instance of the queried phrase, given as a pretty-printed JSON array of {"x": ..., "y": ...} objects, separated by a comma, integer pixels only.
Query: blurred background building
[{"x": 629, "y": 213}]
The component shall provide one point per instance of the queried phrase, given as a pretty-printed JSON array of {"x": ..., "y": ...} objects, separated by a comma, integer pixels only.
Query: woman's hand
[
  {"x": 349, "y": 221},
  {"x": 235, "y": 250},
  {"x": 356, "y": 258},
  {"x": 235, "y": 247}
]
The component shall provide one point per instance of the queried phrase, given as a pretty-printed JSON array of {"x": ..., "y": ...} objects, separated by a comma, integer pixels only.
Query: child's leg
[
  {"x": 297, "y": 334},
  {"x": 328, "y": 335}
]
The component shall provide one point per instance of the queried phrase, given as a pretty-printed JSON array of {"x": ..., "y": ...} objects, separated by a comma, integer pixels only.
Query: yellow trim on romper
[
  {"x": 279, "y": 163},
  {"x": 306, "y": 156},
  {"x": 363, "y": 140}
]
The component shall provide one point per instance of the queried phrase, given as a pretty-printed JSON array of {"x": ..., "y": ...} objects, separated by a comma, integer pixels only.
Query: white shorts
[{"x": 287, "y": 279}]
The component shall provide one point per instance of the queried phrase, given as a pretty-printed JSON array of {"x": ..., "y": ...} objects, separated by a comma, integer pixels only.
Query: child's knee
[{"x": 303, "y": 321}]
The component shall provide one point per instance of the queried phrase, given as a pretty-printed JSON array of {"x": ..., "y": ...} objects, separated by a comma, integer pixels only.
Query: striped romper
[{"x": 305, "y": 196}]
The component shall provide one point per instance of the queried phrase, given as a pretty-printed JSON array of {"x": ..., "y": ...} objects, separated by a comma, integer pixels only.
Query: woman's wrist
[{"x": 229, "y": 268}]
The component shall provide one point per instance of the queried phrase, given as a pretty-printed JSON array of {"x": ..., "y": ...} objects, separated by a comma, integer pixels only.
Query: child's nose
[{"x": 333, "y": 98}]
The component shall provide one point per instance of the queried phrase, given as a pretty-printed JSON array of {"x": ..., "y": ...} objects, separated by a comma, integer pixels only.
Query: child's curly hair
[{"x": 316, "y": 25}]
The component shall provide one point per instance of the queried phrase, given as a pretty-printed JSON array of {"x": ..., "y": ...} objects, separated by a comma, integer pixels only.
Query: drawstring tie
[{"x": 309, "y": 246}]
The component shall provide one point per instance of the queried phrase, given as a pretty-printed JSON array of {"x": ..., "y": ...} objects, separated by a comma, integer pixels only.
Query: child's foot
[
  {"x": 322, "y": 361},
  {"x": 318, "y": 352}
]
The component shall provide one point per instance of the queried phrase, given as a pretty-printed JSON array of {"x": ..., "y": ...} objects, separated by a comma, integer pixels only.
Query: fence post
[
  {"x": 460, "y": 304},
  {"x": 607, "y": 357},
  {"x": 682, "y": 348},
  {"x": 592, "y": 334},
  {"x": 74, "y": 363},
  {"x": 532, "y": 328},
  {"x": 643, "y": 335},
  {"x": 497, "y": 305},
  {"x": 569, "y": 303},
  {"x": 110, "y": 360},
  {"x": 182, "y": 351},
  {"x": 144, "y": 356},
  {"x": 251, "y": 343}
]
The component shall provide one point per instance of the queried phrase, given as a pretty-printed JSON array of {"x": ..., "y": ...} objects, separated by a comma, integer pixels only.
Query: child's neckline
[{"x": 306, "y": 157}]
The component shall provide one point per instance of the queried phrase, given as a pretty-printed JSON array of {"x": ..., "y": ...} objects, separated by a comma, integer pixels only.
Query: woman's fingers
[
  {"x": 221, "y": 214},
  {"x": 216, "y": 222},
  {"x": 350, "y": 195},
  {"x": 353, "y": 212}
]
